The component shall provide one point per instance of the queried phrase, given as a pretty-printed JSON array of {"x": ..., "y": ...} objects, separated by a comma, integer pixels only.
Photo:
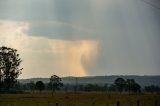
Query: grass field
[{"x": 79, "y": 99}]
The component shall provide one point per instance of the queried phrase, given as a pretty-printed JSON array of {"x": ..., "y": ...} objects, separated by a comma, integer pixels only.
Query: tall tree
[
  {"x": 129, "y": 84},
  {"x": 132, "y": 86},
  {"x": 40, "y": 86},
  {"x": 55, "y": 82},
  {"x": 120, "y": 84},
  {"x": 9, "y": 67}
]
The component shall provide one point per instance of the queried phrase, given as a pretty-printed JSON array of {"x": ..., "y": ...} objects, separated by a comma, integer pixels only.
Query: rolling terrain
[{"x": 142, "y": 80}]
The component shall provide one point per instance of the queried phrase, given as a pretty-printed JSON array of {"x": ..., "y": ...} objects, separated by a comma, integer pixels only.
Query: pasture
[{"x": 79, "y": 99}]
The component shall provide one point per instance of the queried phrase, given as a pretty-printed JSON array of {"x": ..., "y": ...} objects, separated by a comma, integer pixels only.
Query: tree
[
  {"x": 152, "y": 88},
  {"x": 112, "y": 87},
  {"x": 31, "y": 86},
  {"x": 66, "y": 88},
  {"x": 18, "y": 86},
  {"x": 81, "y": 87},
  {"x": 55, "y": 83},
  {"x": 105, "y": 88},
  {"x": 93, "y": 87},
  {"x": 9, "y": 67},
  {"x": 120, "y": 84},
  {"x": 131, "y": 85},
  {"x": 136, "y": 87},
  {"x": 76, "y": 85},
  {"x": 89, "y": 87},
  {"x": 40, "y": 86}
]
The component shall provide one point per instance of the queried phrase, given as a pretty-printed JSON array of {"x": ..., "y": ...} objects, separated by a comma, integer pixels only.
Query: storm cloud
[{"x": 127, "y": 31}]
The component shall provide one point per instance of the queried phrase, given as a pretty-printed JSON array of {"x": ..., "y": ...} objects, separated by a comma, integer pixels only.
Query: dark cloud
[{"x": 128, "y": 30}]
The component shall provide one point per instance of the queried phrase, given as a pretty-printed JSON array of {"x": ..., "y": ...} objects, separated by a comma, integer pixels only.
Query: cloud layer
[
  {"x": 126, "y": 32},
  {"x": 44, "y": 57}
]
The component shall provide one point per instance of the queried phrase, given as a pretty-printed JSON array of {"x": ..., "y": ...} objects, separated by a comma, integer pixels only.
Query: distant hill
[{"x": 142, "y": 80}]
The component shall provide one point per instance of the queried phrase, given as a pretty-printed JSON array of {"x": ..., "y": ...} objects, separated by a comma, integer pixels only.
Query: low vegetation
[{"x": 79, "y": 99}]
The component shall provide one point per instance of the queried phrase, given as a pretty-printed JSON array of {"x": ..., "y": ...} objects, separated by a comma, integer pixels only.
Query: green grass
[{"x": 80, "y": 99}]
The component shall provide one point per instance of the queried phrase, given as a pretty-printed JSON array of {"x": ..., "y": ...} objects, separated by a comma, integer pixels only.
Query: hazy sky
[{"x": 83, "y": 37}]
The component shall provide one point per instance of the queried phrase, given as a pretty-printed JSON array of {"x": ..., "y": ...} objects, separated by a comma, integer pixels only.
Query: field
[{"x": 79, "y": 99}]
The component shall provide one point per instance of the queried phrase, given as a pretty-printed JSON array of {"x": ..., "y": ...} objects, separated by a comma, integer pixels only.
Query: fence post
[
  {"x": 118, "y": 103},
  {"x": 138, "y": 102},
  {"x": 56, "y": 104},
  {"x": 93, "y": 103},
  {"x": 156, "y": 103}
]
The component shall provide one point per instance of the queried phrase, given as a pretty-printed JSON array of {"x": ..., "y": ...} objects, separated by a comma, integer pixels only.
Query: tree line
[
  {"x": 128, "y": 85},
  {"x": 10, "y": 70}
]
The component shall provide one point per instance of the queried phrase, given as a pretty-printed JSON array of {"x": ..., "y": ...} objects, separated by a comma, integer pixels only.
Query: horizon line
[{"x": 86, "y": 76}]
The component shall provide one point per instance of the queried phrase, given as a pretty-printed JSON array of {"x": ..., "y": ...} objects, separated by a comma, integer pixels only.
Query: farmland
[{"x": 79, "y": 99}]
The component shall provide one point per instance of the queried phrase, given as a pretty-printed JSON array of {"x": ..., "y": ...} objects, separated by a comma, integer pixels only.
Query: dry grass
[{"x": 79, "y": 99}]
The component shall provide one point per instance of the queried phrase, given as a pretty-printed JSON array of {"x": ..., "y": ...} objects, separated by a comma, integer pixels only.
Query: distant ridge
[{"x": 142, "y": 80}]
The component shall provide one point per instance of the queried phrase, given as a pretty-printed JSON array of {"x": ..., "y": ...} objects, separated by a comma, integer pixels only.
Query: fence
[{"x": 119, "y": 104}]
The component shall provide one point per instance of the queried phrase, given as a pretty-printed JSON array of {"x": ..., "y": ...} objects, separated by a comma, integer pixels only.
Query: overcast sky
[{"x": 83, "y": 37}]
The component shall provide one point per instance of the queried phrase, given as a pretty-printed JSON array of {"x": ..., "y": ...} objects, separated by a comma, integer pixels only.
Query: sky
[{"x": 83, "y": 37}]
